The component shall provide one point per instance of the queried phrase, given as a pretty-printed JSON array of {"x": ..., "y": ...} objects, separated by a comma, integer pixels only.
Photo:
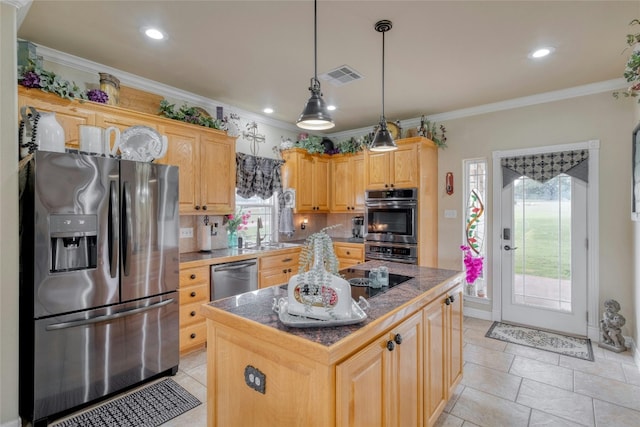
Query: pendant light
[
  {"x": 315, "y": 115},
  {"x": 383, "y": 141}
]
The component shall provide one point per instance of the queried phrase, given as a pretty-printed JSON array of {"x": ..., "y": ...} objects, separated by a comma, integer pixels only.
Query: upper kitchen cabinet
[
  {"x": 206, "y": 158},
  {"x": 393, "y": 169},
  {"x": 347, "y": 183},
  {"x": 309, "y": 175},
  {"x": 70, "y": 114}
]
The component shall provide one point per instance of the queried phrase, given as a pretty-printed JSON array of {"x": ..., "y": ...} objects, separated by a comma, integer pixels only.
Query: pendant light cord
[
  {"x": 383, "y": 74},
  {"x": 315, "y": 41}
]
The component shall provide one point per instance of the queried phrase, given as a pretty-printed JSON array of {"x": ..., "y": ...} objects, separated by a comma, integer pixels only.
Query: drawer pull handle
[
  {"x": 348, "y": 253},
  {"x": 287, "y": 260},
  {"x": 193, "y": 294},
  {"x": 193, "y": 336},
  {"x": 193, "y": 313},
  {"x": 398, "y": 339},
  {"x": 204, "y": 208},
  {"x": 284, "y": 271},
  {"x": 197, "y": 207},
  {"x": 289, "y": 270},
  {"x": 193, "y": 276},
  {"x": 390, "y": 345}
]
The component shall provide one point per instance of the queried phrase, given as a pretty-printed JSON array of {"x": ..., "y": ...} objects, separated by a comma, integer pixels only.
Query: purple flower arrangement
[
  {"x": 30, "y": 79},
  {"x": 97, "y": 95},
  {"x": 472, "y": 264}
]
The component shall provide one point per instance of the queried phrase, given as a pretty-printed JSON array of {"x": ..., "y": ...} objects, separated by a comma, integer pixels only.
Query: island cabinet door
[
  {"x": 435, "y": 374},
  {"x": 382, "y": 384},
  {"x": 455, "y": 329}
]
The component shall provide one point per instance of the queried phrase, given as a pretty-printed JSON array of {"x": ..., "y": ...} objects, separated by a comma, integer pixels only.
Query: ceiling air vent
[{"x": 341, "y": 76}]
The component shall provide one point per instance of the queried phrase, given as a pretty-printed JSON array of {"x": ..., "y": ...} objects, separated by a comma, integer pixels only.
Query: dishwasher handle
[{"x": 235, "y": 266}]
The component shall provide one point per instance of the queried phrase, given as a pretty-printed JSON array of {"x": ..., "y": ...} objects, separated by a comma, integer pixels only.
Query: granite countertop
[{"x": 257, "y": 305}]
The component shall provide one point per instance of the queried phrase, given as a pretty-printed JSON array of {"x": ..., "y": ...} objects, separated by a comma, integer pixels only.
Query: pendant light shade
[
  {"x": 315, "y": 115},
  {"x": 383, "y": 141}
]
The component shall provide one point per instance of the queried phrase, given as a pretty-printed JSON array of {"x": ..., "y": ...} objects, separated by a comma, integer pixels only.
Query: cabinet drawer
[
  {"x": 190, "y": 314},
  {"x": 350, "y": 252},
  {"x": 194, "y": 276},
  {"x": 280, "y": 261},
  {"x": 194, "y": 294},
  {"x": 193, "y": 335}
]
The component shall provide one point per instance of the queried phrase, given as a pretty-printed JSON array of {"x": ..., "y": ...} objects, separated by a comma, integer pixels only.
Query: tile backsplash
[{"x": 315, "y": 223}]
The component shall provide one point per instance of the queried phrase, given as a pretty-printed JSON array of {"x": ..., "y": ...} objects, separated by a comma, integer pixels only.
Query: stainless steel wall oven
[{"x": 391, "y": 224}]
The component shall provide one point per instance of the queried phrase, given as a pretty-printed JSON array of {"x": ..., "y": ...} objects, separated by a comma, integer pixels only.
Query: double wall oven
[{"x": 391, "y": 224}]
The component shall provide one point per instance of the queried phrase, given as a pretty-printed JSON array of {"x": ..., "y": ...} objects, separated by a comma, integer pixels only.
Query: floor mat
[
  {"x": 149, "y": 407},
  {"x": 542, "y": 340}
]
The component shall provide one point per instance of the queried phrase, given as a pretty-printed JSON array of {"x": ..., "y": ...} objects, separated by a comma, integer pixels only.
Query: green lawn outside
[{"x": 545, "y": 231}]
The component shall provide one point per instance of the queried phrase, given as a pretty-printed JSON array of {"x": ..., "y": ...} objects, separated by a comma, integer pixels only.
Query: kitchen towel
[{"x": 286, "y": 222}]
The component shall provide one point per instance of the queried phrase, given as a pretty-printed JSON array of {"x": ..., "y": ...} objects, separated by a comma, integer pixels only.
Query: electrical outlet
[
  {"x": 255, "y": 379},
  {"x": 186, "y": 233}
]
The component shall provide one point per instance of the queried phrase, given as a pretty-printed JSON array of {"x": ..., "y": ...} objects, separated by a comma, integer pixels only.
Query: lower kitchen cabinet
[
  {"x": 194, "y": 291},
  {"x": 277, "y": 269},
  {"x": 443, "y": 352},
  {"x": 349, "y": 254},
  {"x": 387, "y": 375}
]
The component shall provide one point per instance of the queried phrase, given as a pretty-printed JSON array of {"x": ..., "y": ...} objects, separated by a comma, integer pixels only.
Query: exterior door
[{"x": 544, "y": 254}]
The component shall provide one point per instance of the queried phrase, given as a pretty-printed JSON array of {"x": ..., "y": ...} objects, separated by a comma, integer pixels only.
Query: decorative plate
[
  {"x": 141, "y": 144},
  {"x": 394, "y": 130},
  {"x": 357, "y": 315}
]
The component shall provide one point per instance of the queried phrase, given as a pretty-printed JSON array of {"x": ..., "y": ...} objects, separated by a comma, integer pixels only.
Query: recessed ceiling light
[
  {"x": 268, "y": 110},
  {"x": 331, "y": 107},
  {"x": 541, "y": 52},
  {"x": 154, "y": 33}
]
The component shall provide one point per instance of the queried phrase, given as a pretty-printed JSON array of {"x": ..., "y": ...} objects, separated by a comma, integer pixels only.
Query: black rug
[
  {"x": 542, "y": 340},
  {"x": 147, "y": 407}
]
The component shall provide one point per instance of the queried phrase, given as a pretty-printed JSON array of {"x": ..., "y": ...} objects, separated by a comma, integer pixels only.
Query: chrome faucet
[{"x": 258, "y": 237}]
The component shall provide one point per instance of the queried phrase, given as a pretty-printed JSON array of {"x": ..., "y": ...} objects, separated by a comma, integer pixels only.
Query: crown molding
[
  {"x": 141, "y": 83},
  {"x": 542, "y": 98},
  {"x": 17, "y": 3}
]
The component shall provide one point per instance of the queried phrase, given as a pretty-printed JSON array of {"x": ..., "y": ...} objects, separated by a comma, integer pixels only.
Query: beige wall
[
  {"x": 8, "y": 219},
  {"x": 580, "y": 119},
  {"x": 636, "y": 257}
]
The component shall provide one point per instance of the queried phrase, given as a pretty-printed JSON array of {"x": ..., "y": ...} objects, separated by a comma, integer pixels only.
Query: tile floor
[{"x": 504, "y": 385}]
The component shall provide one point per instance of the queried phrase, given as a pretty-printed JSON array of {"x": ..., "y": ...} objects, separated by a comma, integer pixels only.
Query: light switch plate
[
  {"x": 450, "y": 213},
  {"x": 186, "y": 232}
]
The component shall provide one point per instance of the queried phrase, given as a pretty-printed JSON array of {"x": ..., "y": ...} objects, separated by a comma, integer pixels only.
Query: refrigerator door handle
[
  {"x": 107, "y": 317},
  {"x": 126, "y": 228},
  {"x": 113, "y": 229}
]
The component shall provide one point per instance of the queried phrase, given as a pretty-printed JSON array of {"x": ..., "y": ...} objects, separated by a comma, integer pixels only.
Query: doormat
[
  {"x": 567, "y": 346},
  {"x": 148, "y": 407}
]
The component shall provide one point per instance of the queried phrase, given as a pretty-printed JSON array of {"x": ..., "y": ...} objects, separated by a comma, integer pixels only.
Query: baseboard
[
  {"x": 478, "y": 314},
  {"x": 14, "y": 423}
]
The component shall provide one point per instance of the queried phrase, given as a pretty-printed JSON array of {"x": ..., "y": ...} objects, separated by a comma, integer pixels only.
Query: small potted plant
[{"x": 632, "y": 69}]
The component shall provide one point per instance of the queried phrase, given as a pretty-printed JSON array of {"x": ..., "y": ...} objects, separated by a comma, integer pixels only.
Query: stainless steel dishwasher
[{"x": 234, "y": 278}]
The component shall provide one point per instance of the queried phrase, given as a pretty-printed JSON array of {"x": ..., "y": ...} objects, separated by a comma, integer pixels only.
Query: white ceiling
[{"x": 440, "y": 56}]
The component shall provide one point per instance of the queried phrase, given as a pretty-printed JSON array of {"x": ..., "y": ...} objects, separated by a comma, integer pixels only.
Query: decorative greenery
[
  {"x": 34, "y": 76},
  {"x": 431, "y": 130},
  {"x": 188, "y": 115},
  {"x": 632, "y": 69},
  {"x": 352, "y": 145},
  {"x": 312, "y": 143}
]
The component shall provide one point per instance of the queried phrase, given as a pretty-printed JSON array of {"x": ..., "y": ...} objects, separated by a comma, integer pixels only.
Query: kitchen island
[{"x": 396, "y": 368}]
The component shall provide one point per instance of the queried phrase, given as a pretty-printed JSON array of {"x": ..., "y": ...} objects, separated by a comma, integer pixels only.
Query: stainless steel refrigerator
[{"x": 99, "y": 270}]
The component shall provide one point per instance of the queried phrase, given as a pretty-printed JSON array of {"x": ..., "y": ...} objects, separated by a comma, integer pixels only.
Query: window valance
[
  {"x": 257, "y": 176},
  {"x": 543, "y": 167}
]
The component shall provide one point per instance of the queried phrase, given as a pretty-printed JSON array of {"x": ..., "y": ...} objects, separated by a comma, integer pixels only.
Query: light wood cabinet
[
  {"x": 443, "y": 352},
  {"x": 393, "y": 169},
  {"x": 207, "y": 168},
  {"x": 194, "y": 291},
  {"x": 70, "y": 114},
  {"x": 385, "y": 378},
  {"x": 347, "y": 183},
  {"x": 309, "y": 175},
  {"x": 349, "y": 254},
  {"x": 379, "y": 375},
  {"x": 277, "y": 269}
]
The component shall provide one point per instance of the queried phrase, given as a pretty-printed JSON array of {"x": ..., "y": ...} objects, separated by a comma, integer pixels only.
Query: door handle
[{"x": 509, "y": 248}]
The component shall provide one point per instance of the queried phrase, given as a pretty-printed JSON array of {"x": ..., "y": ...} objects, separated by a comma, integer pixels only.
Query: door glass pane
[{"x": 542, "y": 236}]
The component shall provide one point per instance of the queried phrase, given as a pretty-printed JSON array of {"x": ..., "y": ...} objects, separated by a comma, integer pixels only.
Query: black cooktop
[{"x": 362, "y": 288}]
